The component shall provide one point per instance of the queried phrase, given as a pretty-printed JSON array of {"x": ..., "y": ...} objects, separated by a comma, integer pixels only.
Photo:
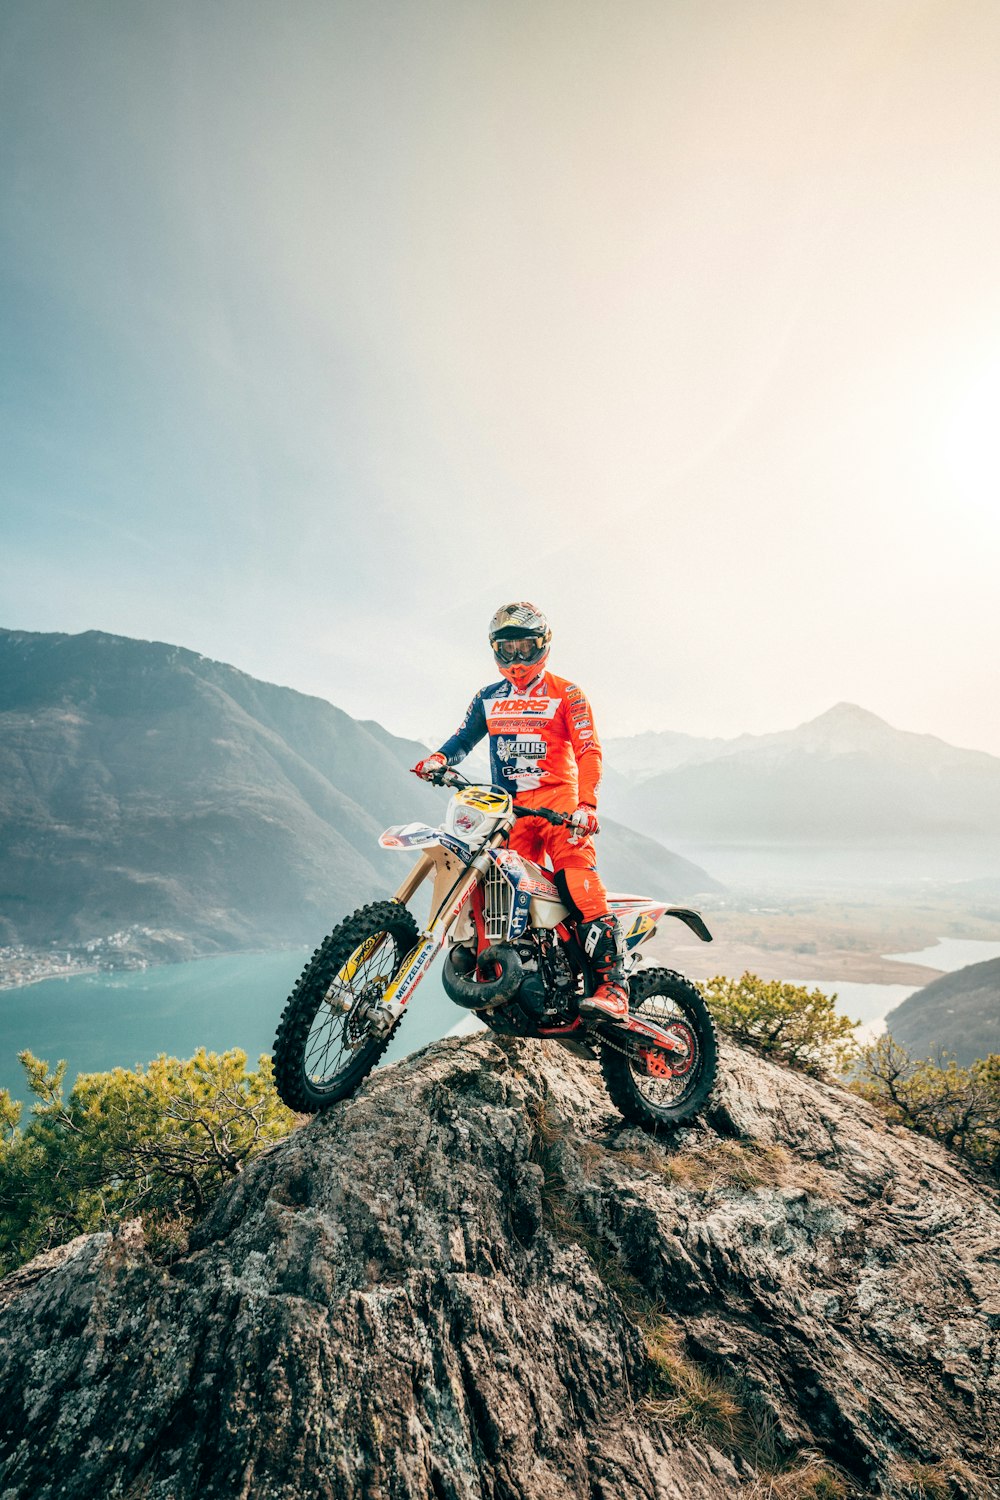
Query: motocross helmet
[{"x": 520, "y": 637}]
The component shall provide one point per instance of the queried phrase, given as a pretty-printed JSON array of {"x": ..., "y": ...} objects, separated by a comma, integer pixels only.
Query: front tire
[
  {"x": 663, "y": 1095},
  {"x": 325, "y": 1044}
]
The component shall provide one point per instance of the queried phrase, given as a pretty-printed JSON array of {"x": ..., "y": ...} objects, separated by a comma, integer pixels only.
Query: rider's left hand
[{"x": 585, "y": 819}]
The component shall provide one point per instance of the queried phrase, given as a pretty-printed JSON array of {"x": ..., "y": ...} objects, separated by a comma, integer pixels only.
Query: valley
[{"x": 830, "y": 936}]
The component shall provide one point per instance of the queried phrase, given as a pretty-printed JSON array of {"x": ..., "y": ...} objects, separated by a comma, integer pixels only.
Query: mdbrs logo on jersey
[{"x": 518, "y": 708}]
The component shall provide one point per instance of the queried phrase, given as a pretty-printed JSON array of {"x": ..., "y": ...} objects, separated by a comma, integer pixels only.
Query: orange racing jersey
[{"x": 540, "y": 736}]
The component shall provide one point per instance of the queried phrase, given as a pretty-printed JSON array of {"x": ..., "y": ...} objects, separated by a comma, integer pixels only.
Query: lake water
[
  {"x": 950, "y": 954},
  {"x": 862, "y": 1002},
  {"x": 871, "y": 1003},
  {"x": 102, "y": 1021}
]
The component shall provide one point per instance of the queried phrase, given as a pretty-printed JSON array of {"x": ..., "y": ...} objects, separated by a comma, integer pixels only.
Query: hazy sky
[{"x": 328, "y": 328}]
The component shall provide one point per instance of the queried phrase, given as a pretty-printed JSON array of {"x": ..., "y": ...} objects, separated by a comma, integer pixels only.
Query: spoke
[
  {"x": 328, "y": 1046},
  {"x": 667, "y": 1091},
  {"x": 319, "y": 1044}
]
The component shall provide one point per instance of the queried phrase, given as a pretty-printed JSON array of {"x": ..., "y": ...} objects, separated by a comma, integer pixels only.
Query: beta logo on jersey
[{"x": 526, "y": 776}]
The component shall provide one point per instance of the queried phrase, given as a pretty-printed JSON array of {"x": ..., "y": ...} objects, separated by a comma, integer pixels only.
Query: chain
[{"x": 615, "y": 1046}]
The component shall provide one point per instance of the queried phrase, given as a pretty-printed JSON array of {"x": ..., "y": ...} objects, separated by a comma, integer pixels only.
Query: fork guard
[{"x": 483, "y": 994}]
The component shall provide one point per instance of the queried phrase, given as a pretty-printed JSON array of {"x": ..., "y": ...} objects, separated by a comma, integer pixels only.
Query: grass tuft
[
  {"x": 948, "y": 1479},
  {"x": 686, "y": 1396},
  {"x": 811, "y": 1478},
  {"x": 166, "y": 1236},
  {"x": 744, "y": 1165}
]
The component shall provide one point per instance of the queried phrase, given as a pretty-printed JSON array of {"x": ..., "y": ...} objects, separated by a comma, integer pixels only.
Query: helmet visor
[{"x": 524, "y": 648}]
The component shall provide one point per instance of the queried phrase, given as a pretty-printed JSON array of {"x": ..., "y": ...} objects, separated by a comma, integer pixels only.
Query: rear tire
[
  {"x": 322, "y": 1053},
  {"x": 659, "y": 1103}
]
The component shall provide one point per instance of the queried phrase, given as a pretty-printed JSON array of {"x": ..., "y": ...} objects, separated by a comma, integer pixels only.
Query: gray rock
[{"x": 448, "y": 1288}]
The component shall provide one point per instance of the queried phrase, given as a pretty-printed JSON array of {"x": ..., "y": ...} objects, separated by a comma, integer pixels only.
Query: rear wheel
[
  {"x": 653, "y": 1088},
  {"x": 329, "y": 1037}
]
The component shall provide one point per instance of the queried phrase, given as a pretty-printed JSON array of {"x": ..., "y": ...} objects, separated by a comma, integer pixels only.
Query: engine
[{"x": 515, "y": 987}]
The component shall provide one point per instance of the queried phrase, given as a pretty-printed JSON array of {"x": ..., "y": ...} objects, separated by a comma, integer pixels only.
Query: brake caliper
[
  {"x": 658, "y": 1063},
  {"x": 655, "y": 1062}
]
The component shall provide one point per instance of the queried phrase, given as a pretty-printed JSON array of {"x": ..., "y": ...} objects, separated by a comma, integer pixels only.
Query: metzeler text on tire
[
  {"x": 328, "y": 1037},
  {"x": 655, "y": 1089}
]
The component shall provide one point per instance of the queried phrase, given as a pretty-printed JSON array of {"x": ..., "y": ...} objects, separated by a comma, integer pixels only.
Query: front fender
[{"x": 422, "y": 836}]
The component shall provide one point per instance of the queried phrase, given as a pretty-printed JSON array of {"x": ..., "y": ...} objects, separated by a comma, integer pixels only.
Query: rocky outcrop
[{"x": 473, "y": 1281}]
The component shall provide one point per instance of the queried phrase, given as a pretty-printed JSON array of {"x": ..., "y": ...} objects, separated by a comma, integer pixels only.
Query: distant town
[{"x": 21, "y": 965}]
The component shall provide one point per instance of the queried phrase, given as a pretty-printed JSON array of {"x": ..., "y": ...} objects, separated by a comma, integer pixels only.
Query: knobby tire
[
  {"x": 293, "y": 1043},
  {"x": 662, "y": 995}
]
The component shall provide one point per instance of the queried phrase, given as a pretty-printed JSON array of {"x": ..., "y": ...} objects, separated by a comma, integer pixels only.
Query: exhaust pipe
[{"x": 483, "y": 994}]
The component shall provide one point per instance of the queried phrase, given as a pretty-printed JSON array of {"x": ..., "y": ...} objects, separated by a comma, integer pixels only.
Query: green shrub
[
  {"x": 159, "y": 1140},
  {"x": 960, "y": 1107},
  {"x": 785, "y": 1021}
]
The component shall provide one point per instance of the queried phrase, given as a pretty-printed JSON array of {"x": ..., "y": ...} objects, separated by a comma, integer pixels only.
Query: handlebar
[
  {"x": 448, "y": 776},
  {"x": 445, "y": 776},
  {"x": 548, "y": 813}
]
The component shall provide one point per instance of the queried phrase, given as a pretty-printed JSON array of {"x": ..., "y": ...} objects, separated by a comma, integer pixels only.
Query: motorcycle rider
[{"x": 544, "y": 749}]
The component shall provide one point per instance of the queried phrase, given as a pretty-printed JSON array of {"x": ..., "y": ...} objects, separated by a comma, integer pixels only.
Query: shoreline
[
  {"x": 829, "y": 966},
  {"x": 700, "y": 961},
  {"x": 64, "y": 973},
  {"x": 151, "y": 963}
]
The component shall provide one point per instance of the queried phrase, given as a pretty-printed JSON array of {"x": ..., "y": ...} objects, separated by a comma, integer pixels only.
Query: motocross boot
[{"x": 601, "y": 941}]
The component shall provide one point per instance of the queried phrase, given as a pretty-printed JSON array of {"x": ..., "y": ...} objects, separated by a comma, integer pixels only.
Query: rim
[
  {"x": 341, "y": 1025},
  {"x": 667, "y": 1092}
]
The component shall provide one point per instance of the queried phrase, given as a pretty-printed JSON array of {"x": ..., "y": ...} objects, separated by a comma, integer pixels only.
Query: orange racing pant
[{"x": 573, "y": 858}]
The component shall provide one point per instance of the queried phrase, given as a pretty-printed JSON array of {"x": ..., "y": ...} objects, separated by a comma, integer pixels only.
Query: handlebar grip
[
  {"x": 547, "y": 813},
  {"x": 446, "y": 776}
]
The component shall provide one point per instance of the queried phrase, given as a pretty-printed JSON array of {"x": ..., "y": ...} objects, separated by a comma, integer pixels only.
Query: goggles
[{"x": 527, "y": 648}]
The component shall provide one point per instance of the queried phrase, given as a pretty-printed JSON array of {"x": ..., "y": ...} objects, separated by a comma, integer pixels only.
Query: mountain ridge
[
  {"x": 145, "y": 786},
  {"x": 845, "y": 777},
  {"x": 845, "y": 725},
  {"x": 956, "y": 1015}
]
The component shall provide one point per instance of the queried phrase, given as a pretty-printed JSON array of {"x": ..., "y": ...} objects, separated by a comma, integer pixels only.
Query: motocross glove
[
  {"x": 430, "y": 764},
  {"x": 585, "y": 819}
]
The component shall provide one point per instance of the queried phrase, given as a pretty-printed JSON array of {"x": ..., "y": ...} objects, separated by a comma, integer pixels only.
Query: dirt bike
[{"x": 512, "y": 956}]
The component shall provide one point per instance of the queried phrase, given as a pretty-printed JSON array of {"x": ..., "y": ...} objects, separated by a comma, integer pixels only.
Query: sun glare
[{"x": 970, "y": 447}]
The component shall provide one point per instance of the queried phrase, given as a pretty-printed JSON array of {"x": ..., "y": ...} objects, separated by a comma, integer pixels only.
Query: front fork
[{"x": 447, "y": 903}]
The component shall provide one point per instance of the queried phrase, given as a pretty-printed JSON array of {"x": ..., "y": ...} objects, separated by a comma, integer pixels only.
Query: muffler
[{"x": 484, "y": 993}]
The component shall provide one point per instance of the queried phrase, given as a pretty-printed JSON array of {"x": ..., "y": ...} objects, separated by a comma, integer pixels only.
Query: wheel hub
[{"x": 367, "y": 1013}]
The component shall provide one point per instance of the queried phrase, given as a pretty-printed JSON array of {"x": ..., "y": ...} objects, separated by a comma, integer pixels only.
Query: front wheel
[
  {"x": 329, "y": 1037},
  {"x": 656, "y": 1089}
]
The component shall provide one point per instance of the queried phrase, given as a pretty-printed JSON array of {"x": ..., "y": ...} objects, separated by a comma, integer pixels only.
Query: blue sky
[{"x": 327, "y": 328}]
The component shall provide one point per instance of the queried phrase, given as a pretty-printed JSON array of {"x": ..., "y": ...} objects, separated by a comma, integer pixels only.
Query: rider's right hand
[{"x": 429, "y": 765}]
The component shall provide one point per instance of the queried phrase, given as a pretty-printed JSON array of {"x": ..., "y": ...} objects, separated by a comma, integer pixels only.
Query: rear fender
[
  {"x": 692, "y": 919},
  {"x": 640, "y": 918},
  {"x": 637, "y": 918}
]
